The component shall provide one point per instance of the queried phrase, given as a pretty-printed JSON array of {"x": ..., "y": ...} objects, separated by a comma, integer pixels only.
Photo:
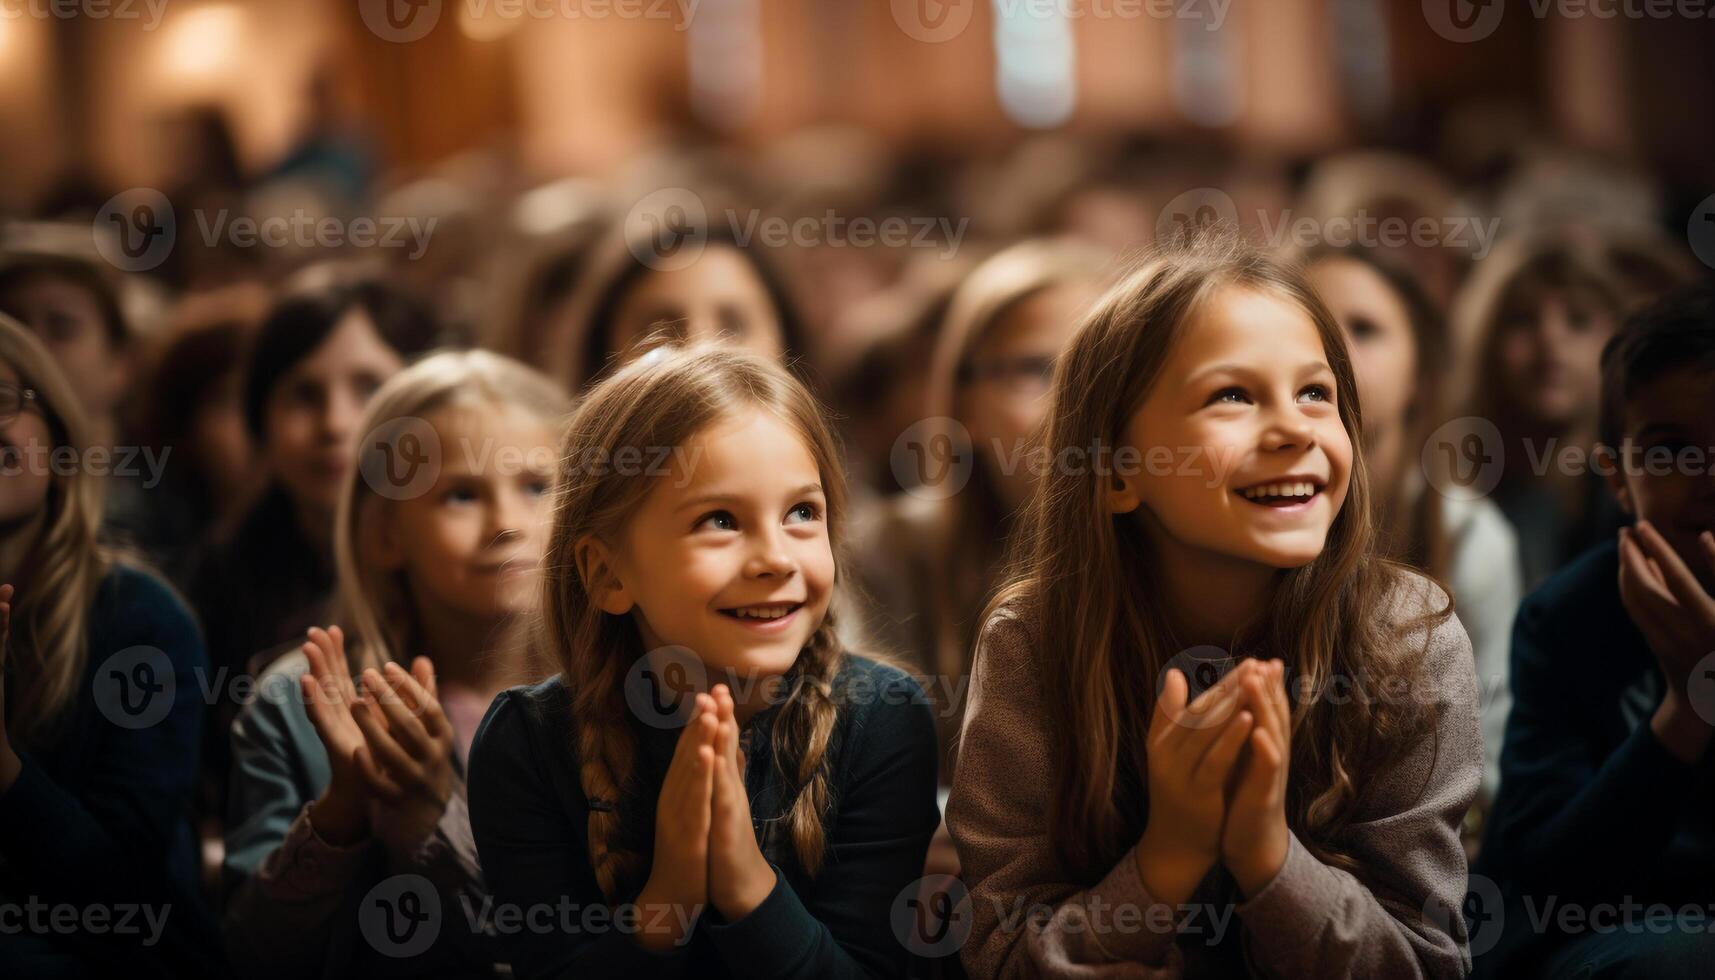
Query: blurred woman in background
[
  {"x": 929, "y": 558},
  {"x": 1529, "y": 327}
]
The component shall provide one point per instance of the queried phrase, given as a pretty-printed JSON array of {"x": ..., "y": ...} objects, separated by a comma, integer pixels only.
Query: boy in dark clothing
[{"x": 1602, "y": 840}]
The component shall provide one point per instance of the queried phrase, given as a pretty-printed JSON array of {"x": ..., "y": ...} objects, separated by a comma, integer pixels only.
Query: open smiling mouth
[
  {"x": 763, "y": 615},
  {"x": 1291, "y": 493}
]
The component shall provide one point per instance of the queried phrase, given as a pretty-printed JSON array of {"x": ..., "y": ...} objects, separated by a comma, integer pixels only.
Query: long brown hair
[
  {"x": 663, "y": 399},
  {"x": 50, "y": 616},
  {"x": 1084, "y": 584}
]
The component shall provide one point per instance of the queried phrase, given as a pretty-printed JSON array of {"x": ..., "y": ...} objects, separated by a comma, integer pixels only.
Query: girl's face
[
  {"x": 25, "y": 445},
  {"x": 1549, "y": 356},
  {"x": 1250, "y": 458},
  {"x": 1013, "y": 364},
  {"x": 473, "y": 543},
  {"x": 729, "y": 554},
  {"x": 310, "y": 426},
  {"x": 67, "y": 319},
  {"x": 718, "y": 297},
  {"x": 1378, "y": 333}
]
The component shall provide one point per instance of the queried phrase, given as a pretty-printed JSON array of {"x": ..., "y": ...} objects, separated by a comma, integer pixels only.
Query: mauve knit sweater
[{"x": 1398, "y": 919}]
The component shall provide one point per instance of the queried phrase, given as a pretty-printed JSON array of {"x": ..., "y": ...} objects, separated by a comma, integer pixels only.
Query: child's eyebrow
[
  {"x": 733, "y": 498},
  {"x": 1305, "y": 369}
]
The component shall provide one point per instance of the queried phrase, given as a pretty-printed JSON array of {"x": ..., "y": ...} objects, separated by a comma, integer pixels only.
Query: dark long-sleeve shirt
[
  {"x": 1592, "y": 808},
  {"x": 98, "y": 817},
  {"x": 530, "y": 817}
]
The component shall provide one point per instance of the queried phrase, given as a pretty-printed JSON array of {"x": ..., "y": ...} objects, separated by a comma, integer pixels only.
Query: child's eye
[
  {"x": 1318, "y": 393},
  {"x": 803, "y": 512},
  {"x": 719, "y": 520},
  {"x": 537, "y": 488},
  {"x": 459, "y": 495},
  {"x": 1230, "y": 396}
]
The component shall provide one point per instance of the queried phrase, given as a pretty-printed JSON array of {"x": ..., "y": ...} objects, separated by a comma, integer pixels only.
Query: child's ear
[
  {"x": 378, "y": 537},
  {"x": 595, "y": 567},
  {"x": 1608, "y": 464},
  {"x": 1123, "y": 496}
]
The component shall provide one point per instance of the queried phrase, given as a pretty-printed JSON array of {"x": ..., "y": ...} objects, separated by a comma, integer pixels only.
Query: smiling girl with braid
[{"x": 697, "y": 520}]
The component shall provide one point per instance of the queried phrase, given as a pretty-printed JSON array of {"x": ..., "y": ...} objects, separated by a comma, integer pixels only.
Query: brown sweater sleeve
[{"x": 1401, "y": 920}]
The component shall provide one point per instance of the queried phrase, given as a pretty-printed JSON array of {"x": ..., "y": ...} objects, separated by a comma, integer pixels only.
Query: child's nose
[
  {"x": 769, "y": 558},
  {"x": 1288, "y": 429}
]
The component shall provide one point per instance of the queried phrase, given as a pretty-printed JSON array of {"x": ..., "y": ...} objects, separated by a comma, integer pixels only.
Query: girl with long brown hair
[
  {"x": 101, "y": 667},
  {"x": 1201, "y": 689},
  {"x": 734, "y": 792}
]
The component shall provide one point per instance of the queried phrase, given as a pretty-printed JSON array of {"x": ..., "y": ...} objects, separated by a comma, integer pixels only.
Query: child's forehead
[
  {"x": 475, "y": 433},
  {"x": 749, "y": 450},
  {"x": 1248, "y": 326}
]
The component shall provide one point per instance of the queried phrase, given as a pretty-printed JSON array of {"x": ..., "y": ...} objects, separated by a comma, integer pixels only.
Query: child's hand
[
  {"x": 739, "y": 876},
  {"x": 1254, "y": 840},
  {"x": 339, "y": 816},
  {"x": 1677, "y": 618},
  {"x": 679, "y": 871},
  {"x": 1191, "y": 751},
  {"x": 1666, "y": 601},
  {"x": 412, "y": 750}
]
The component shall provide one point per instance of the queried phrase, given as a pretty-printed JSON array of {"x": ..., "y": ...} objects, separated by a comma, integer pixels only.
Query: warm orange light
[{"x": 204, "y": 42}]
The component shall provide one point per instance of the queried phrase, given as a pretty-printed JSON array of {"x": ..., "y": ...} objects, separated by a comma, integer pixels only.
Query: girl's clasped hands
[
  {"x": 1217, "y": 781},
  {"x": 705, "y": 846}
]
